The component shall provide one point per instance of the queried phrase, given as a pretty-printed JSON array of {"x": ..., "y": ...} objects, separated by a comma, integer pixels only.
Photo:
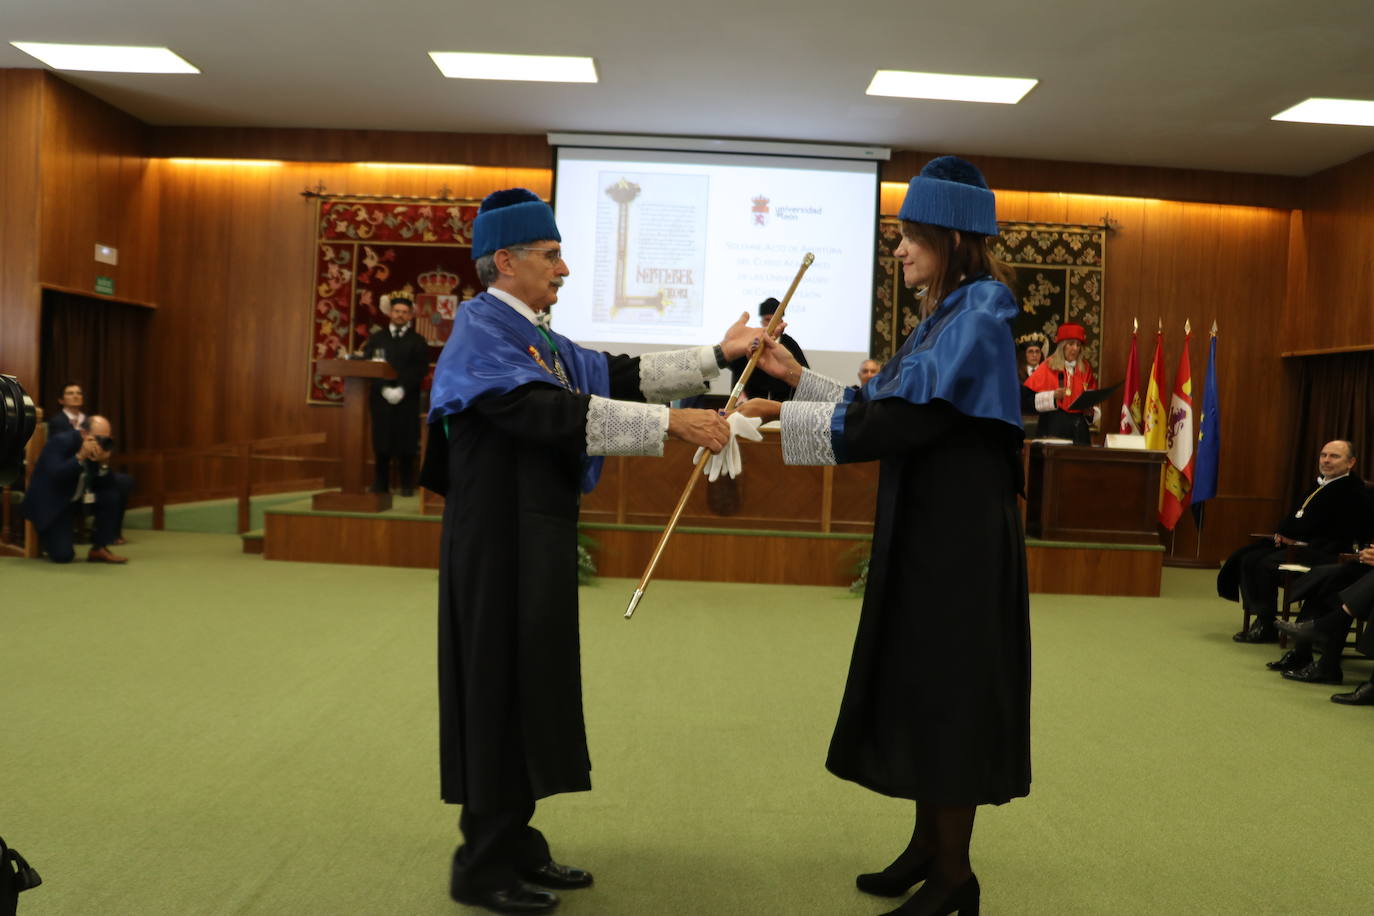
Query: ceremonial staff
[{"x": 705, "y": 455}]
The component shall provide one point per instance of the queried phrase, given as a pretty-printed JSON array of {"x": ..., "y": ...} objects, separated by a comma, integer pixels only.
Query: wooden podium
[
  {"x": 1081, "y": 493},
  {"x": 354, "y": 496}
]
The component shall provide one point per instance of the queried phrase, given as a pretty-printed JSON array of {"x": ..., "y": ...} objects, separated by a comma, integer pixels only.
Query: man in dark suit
[
  {"x": 761, "y": 384},
  {"x": 71, "y": 417},
  {"x": 395, "y": 403},
  {"x": 1333, "y": 597},
  {"x": 70, "y": 472},
  {"x": 1327, "y": 522}
]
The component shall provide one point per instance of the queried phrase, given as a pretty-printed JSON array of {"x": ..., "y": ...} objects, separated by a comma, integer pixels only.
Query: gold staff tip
[{"x": 806, "y": 261}]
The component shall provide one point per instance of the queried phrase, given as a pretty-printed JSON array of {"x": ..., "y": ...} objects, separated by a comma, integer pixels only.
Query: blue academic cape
[{"x": 494, "y": 349}]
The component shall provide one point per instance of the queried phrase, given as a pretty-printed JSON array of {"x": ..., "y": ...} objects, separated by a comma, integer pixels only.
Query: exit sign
[{"x": 104, "y": 285}]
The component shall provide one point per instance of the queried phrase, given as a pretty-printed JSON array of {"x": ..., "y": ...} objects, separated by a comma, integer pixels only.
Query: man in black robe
[
  {"x": 760, "y": 384},
  {"x": 1327, "y": 522},
  {"x": 519, "y": 417},
  {"x": 395, "y": 403}
]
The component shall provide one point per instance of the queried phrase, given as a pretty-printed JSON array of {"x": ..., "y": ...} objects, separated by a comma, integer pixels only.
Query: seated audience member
[
  {"x": 1362, "y": 695},
  {"x": 1333, "y": 597},
  {"x": 69, "y": 472},
  {"x": 761, "y": 384},
  {"x": 1329, "y": 520},
  {"x": 867, "y": 369},
  {"x": 69, "y": 415},
  {"x": 1057, "y": 383}
]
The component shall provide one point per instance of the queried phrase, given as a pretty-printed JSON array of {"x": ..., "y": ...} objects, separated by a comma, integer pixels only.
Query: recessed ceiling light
[
  {"x": 106, "y": 58},
  {"x": 1354, "y": 112},
  {"x": 465, "y": 65},
  {"x": 949, "y": 87}
]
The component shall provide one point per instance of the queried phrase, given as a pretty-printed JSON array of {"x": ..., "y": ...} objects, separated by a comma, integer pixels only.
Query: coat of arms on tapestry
[
  {"x": 368, "y": 250},
  {"x": 1058, "y": 277}
]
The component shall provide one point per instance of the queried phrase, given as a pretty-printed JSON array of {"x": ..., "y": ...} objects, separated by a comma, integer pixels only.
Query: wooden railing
[{"x": 153, "y": 487}]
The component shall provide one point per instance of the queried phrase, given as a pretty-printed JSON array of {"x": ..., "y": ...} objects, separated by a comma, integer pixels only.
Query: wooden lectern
[
  {"x": 1081, "y": 493},
  {"x": 354, "y": 497}
]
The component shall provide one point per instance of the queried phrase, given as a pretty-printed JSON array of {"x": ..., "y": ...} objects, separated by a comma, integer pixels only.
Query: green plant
[
  {"x": 860, "y": 556},
  {"x": 586, "y": 564}
]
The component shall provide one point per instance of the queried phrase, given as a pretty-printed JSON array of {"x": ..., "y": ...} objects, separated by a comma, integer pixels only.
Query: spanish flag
[
  {"x": 1178, "y": 471},
  {"x": 1155, "y": 421}
]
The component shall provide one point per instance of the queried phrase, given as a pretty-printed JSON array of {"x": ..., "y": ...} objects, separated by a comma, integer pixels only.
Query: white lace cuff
[
  {"x": 674, "y": 374},
  {"x": 1044, "y": 401},
  {"x": 625, "y": 428},
  {"x": 816, "y": 387},
  {"x": 806, "y": 431}
]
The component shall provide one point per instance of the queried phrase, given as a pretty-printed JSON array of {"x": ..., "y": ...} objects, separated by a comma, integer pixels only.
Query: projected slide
[{"x": 667, "y": 248}]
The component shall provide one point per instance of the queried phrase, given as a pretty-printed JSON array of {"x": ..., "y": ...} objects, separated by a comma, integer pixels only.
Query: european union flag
[{"x": 1208, "y": 436}]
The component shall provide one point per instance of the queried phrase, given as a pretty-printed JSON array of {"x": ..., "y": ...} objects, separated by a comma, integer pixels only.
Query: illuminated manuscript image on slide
[
  {"x": 651, "y": 244},
  {"x": 1058, "y": 277},
  {"x": 368, "y": 248}
]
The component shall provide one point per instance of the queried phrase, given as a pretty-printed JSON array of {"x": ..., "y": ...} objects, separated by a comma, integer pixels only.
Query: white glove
[
  {"x": 394, "y": 394},
  {"x": 728, "y": 459}
]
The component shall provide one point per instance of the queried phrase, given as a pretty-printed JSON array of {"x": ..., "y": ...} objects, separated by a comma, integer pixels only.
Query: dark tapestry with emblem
[
  {"x": 1058, "y": 277},
  {"x": 368, "y": 248}
]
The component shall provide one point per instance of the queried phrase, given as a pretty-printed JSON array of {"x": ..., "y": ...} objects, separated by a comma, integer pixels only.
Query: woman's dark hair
[{"x": 959, "y": 254}]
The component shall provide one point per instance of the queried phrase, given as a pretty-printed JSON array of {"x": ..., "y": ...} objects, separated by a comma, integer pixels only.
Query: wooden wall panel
[
  {"x": 230, "y": 344},
  {"x": 21, "y": 100},
  {"x": 522, "y": 151},
  {"x": 93, "y": 191},
  {"x": 1117, "y": 180},
  {"x": 1336, "y": 308}
]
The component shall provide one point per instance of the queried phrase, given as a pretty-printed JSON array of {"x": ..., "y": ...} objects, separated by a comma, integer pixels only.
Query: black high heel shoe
[
  {"x": 963, "y": 900},
  {"x": 895, "y": 880}
]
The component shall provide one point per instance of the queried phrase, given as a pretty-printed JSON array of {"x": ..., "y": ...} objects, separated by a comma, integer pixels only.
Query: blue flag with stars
[{"x": 1208, "y": 436}]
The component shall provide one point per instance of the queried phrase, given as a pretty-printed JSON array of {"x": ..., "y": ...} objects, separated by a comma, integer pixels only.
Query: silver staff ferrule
[{"x": 634, "y": 602}]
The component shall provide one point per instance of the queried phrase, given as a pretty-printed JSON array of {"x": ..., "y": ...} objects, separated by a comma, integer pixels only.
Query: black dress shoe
[
  {"x": 551, "y": 874},
  {"x": 1291, "y": 660},
  {"x": 518, "y": 898},
  {"x": 1304, "y": 630},
  {"x": 1362, "y": 695},
  {"x": 895, "y": 880},
  {"x": 931, "y": 900},
  {"x": 1259, "y": 631},
  {"x": 1315, "y": 673}
]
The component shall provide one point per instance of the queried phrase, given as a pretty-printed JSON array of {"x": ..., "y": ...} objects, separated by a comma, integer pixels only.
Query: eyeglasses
[{"x": 552, "y": 255}]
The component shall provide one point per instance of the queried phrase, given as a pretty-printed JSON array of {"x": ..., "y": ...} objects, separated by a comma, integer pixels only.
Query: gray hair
[{"x": 486, "y": 269}]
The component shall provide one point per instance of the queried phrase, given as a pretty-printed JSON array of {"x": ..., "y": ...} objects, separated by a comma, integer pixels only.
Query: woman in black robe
[{"x": 937, "y": 703}]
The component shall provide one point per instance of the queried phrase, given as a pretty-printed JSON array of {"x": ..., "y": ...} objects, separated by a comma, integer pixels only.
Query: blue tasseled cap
[
  {"x": 951, "y": 192},
  {"x": 512, "y": 217}
]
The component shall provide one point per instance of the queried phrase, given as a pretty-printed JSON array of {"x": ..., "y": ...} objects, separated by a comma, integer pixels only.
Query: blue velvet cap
[
  {"x": 951, "y": 192},
  {"x": 512, "y": 217}
]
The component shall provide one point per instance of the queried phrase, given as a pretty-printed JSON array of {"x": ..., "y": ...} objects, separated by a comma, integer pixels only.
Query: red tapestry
[{"x": 368, "y": 248}]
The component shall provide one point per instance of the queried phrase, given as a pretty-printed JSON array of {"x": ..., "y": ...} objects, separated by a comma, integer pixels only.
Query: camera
[
  {"x": 106, "y": 443},
  {"x": 17, "y": 421}
]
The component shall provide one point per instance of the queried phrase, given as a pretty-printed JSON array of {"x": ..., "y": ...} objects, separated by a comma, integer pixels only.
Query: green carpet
[
  {"x": 204, "y": 732},
  {"x": 215, "y": 516}
]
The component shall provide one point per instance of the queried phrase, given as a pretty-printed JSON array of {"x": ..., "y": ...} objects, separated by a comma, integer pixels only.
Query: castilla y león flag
[{"x": 1178, "y": 472}]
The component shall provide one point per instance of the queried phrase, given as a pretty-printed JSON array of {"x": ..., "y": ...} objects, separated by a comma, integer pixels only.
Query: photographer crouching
[{"x": 72, "y": 471}]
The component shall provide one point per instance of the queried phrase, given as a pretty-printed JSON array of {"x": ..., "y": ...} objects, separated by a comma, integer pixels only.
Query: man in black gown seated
[{"x": 1329, "y": 520}]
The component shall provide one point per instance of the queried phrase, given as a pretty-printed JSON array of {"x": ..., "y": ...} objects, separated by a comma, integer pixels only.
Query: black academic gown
[
  {"x": 937, "y": 704},
  {"x": 1333, "y": 521},
  {"x": 510, "y": 688},
  {"x": 763, "y": 385},
  {"x": 396, "y": 427}
]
